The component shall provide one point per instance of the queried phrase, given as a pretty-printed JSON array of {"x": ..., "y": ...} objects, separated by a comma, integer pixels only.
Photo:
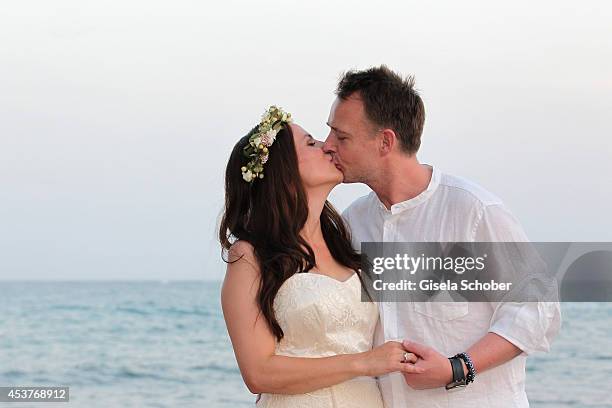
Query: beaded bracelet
[{"x": 470, "y": 366}]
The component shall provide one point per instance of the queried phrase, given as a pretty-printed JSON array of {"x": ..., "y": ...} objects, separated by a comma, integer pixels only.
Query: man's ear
[{"x": 387, "y": 141}]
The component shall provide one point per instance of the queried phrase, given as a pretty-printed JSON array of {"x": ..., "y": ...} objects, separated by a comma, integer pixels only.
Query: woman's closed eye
[{"x": 314, "y": 142}]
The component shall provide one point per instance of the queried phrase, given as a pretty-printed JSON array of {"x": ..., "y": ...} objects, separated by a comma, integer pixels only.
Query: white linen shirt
[{"x": 453, "y": 209}]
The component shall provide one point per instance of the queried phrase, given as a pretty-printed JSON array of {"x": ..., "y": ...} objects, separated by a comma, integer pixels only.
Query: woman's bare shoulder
[
  {"x": 242, "y": 255},
  {"x": 241, "y": 249},
  {"x": 243, "y": 271}
]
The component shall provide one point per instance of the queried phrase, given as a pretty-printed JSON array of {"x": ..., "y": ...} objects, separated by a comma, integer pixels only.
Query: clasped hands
[
  {"x": 422, "y": 366},
  {"x": 436, "y": 369}
]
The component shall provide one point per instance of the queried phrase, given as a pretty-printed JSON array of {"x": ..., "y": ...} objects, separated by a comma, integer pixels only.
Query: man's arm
[{"x": 515, "y": 328}]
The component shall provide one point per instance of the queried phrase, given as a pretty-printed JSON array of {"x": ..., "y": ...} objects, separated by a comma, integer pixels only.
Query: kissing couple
[{"x": 291, "y": 298}]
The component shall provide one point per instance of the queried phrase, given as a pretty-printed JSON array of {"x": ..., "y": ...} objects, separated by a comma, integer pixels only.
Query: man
[{"x": 375, "y": 125}]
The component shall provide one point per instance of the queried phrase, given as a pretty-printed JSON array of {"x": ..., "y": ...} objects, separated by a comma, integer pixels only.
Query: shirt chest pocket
[{"x": 442, "y": 311}]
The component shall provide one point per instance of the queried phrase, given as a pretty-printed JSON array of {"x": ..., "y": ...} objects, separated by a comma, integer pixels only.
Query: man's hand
[{"x": 437, "y": 369}]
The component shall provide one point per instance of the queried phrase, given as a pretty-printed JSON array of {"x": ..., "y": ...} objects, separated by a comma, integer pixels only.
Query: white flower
[
  {"x": 257, "y": 141},
  {"x": 269, "y": 137},
  {"x": 264, "y": 159},
  {"x": 248, "y": 176}
]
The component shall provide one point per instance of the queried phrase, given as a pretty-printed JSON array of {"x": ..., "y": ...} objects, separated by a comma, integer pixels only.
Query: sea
[{"x": 164, "y": 344}]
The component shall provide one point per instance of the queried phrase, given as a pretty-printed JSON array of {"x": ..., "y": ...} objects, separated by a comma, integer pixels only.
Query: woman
[{"x": 291, "y": 296}]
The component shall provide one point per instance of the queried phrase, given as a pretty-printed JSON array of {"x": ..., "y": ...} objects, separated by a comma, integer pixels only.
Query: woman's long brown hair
[{"x": 269, "y": 213}]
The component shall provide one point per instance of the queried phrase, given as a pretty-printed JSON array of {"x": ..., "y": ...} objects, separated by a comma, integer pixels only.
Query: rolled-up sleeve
[{"x": 531, "y": 326}]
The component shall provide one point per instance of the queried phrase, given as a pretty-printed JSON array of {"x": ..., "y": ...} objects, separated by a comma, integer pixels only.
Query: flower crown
[{"x": 257, "y": 150}]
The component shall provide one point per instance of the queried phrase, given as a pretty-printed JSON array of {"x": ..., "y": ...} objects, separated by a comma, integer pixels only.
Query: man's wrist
[
  {"x": 464, "y": 367},
  {"x": 471, "y": 370},
  {"x": 459, "y": 380},
  {"x": 451, "y": 374}
]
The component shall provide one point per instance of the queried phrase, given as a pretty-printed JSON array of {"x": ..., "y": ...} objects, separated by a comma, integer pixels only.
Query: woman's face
[{"x": 316, "y": 167}]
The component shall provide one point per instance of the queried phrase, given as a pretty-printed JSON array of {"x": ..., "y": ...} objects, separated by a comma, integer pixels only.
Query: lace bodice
[{"x": 322, "y": 316}]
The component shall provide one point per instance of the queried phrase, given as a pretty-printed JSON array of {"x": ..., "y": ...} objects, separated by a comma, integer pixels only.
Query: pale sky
[{"x": 117, "y": 117}]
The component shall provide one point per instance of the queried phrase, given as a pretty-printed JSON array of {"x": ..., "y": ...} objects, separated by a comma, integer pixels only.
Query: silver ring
[{"x": 405, "y": 357}]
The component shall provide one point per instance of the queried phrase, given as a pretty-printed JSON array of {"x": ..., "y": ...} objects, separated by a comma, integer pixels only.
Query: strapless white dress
[{"x": 320, "y": 317}]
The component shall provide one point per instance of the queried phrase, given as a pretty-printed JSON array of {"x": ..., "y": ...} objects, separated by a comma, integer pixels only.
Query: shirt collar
[{"x": 397, "y": 208}]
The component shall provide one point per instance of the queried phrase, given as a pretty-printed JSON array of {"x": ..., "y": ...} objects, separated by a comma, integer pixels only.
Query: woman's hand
[{"x": 387, "y": 358}]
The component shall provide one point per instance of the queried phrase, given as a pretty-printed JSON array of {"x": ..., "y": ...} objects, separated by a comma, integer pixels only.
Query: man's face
[{"x": 351, "y": 139}]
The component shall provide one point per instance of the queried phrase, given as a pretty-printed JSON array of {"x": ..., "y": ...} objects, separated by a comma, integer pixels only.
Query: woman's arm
[{"x": 254, "y": 343}]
